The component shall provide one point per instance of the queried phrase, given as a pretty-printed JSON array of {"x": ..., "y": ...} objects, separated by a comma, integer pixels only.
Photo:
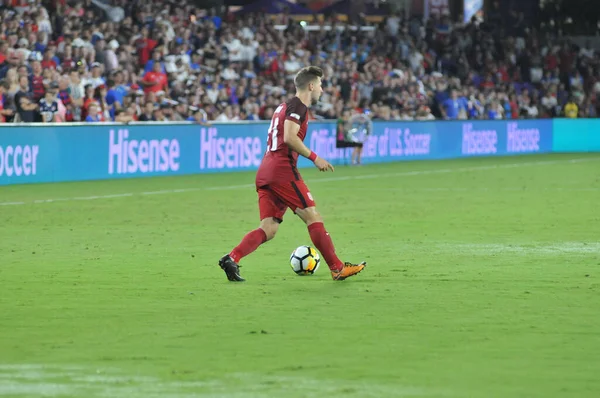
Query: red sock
[
  {"x": 249, "y": 243},
  {"x": 321, "y": 239}
]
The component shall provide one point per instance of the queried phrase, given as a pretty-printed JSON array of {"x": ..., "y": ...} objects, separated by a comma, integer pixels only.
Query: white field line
[
  {"x": 533, "y": 249},
  {"x": 43, "y": 381},
  {"x": 479, "y": 189},
  {"x": 319, "y": 180}
]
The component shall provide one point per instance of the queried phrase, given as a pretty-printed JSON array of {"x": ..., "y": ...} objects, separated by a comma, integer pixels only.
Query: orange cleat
[{"x": 348, "y": 271}]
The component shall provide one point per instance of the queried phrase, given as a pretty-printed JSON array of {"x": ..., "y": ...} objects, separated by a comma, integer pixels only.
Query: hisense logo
[
  {"x": 127, "y": 156},
  {"x": 522, "y": 140},
  {"x": 478, "y": 142},
  {"x": 231, "y": 153}
]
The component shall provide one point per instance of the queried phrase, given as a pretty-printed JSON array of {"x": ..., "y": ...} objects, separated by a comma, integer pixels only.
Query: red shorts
[{"x": 274, "y": 199}]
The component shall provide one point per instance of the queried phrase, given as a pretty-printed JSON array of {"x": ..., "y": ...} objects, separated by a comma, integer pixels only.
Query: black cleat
[{"x": 232, "y": 270}]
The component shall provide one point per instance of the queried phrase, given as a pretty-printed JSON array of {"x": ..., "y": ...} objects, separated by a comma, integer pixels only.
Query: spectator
[
  {"x": 96, "y": 79},
  {"x": 4, "y": 111},
  {"x": 93, "y": 114},
  {"x": 241, "y": 67},
  {"x": 549, "y": 103},
  {"x": 181, "y": 110},
  {"x": 122, "y": 116},
  {"x": 76, "y": 95},
  {"x": 199, "y": 116},
  {"x": 167, "y": 111},
  {"x": 156, "y": 58},
  {"x": 159, "y": 115},
  {"x": 424, "y": 113},
  {"x": 64, "y": 98},
  {"x": 90, "y": 98},
  {"x": 48, "y": 106},
  {"x": 49, "y": 60},
  {"x": 13, "y": 81},
  {"x": 37, "y": 81},
  {"x": 453, "y": 107},
  {"x": 234, "y": 47},
  {"x": 110, "y": 56},
  {"x": 104, "y": 108},
  {"x": 155, "y": 80},
  {"x": 571, "y": 109},
  {"x": 115, "y": 97},
  {"x": 144, "y": 46},
  {"x": 148, "y": 113},
  {"x": 26, "y": 107}
]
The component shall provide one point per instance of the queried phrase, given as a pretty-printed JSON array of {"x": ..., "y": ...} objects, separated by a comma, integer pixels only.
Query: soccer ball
[{"x": 305, "y": 260}]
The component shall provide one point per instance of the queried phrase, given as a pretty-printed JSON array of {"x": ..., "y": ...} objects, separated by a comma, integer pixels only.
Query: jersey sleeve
[{"x": 296, "y": 112}]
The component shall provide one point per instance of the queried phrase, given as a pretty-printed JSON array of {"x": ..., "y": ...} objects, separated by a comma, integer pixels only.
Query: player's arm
[{"x": 291, "y": 139}]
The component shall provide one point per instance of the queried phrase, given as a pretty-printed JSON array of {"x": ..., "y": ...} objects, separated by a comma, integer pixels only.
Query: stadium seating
[{"x": 123, "y": 61}]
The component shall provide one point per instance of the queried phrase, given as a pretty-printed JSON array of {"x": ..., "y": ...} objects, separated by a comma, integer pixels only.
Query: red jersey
[
  {"x": 49, "y": 64},
  {"x": 279, "y": 162},
  {"x": 161, "y": 82},
  {"x": 144, "y": 49},
  {"x": 37, "y": 85}
]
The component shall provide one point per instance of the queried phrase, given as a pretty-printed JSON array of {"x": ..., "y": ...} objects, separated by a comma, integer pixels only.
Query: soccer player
[{"x": 279, "y": 184}]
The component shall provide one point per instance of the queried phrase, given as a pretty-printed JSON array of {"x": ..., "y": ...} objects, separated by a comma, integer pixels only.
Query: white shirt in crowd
[
  {"x": 247, "y": 33},
  {"x": 248, "y": 51},
  {"x": 589, "y": 53},
  {"x": 224, "y": 118},
  {"x": 415, "y": 58},
  {"x": 549, "y": 101},
  {"x": 234, "y": 47},
  {"x": 110, "y": 60},
  {"x": 393, "y": 24},
  {"x": 532, "y": 111},
  {"x": 77, "y": 92},
  {"x": 428, "y": 116},
  {"x": 292, "y": 65},
  {"x": 229, "y": 74},
  {"x": 213, "y": 94},
  {"x": 94, "y": 81}
]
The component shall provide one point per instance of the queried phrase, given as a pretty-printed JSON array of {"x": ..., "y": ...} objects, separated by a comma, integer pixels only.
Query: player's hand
[{"x": 323, "y": 165}]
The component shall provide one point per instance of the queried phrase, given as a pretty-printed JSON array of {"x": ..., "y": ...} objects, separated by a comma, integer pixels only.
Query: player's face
[{"x": 317, "y": 91}]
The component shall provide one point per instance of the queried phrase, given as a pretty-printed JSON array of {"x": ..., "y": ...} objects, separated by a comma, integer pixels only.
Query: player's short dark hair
[{"x": 307, "y": 75}]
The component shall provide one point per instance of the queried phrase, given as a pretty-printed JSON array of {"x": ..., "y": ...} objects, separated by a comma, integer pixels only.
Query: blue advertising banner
[
  {"x": 396, "y": 141},
  {"x": 576, "y": 135},
  {"x": 30, "y": 154}
]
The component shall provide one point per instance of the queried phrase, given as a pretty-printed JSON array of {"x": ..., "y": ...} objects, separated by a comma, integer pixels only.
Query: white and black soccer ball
[{"x": 305, "y": 260}]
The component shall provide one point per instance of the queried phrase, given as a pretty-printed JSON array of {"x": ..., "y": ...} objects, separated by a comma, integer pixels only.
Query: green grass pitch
[{"x": 483, "y": 281}]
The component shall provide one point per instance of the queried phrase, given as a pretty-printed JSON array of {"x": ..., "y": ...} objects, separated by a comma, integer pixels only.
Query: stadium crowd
[{"x": 161, "y": 60}]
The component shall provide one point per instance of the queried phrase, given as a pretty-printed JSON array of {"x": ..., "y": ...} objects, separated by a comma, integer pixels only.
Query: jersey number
[{"x": 273, "y": 128}]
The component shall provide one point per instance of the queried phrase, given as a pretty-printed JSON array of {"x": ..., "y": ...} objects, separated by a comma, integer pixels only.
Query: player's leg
[
  {"x": 252, "y": 240},
  {"x": 299, "y": 199},
  {"x": 322, "y": 240},
  {"x": 320, "y": 237},
  {"x": 271, "y": 214},
  {"x": 360, "y": 152},
  {"x": 355, "y": 155},
  {"x": 358, "y": 149}
]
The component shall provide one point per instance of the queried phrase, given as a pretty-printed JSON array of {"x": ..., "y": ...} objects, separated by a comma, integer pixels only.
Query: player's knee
[
  {"x": 270, "y": 226},
  {"x": 310, "y": 215}
]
